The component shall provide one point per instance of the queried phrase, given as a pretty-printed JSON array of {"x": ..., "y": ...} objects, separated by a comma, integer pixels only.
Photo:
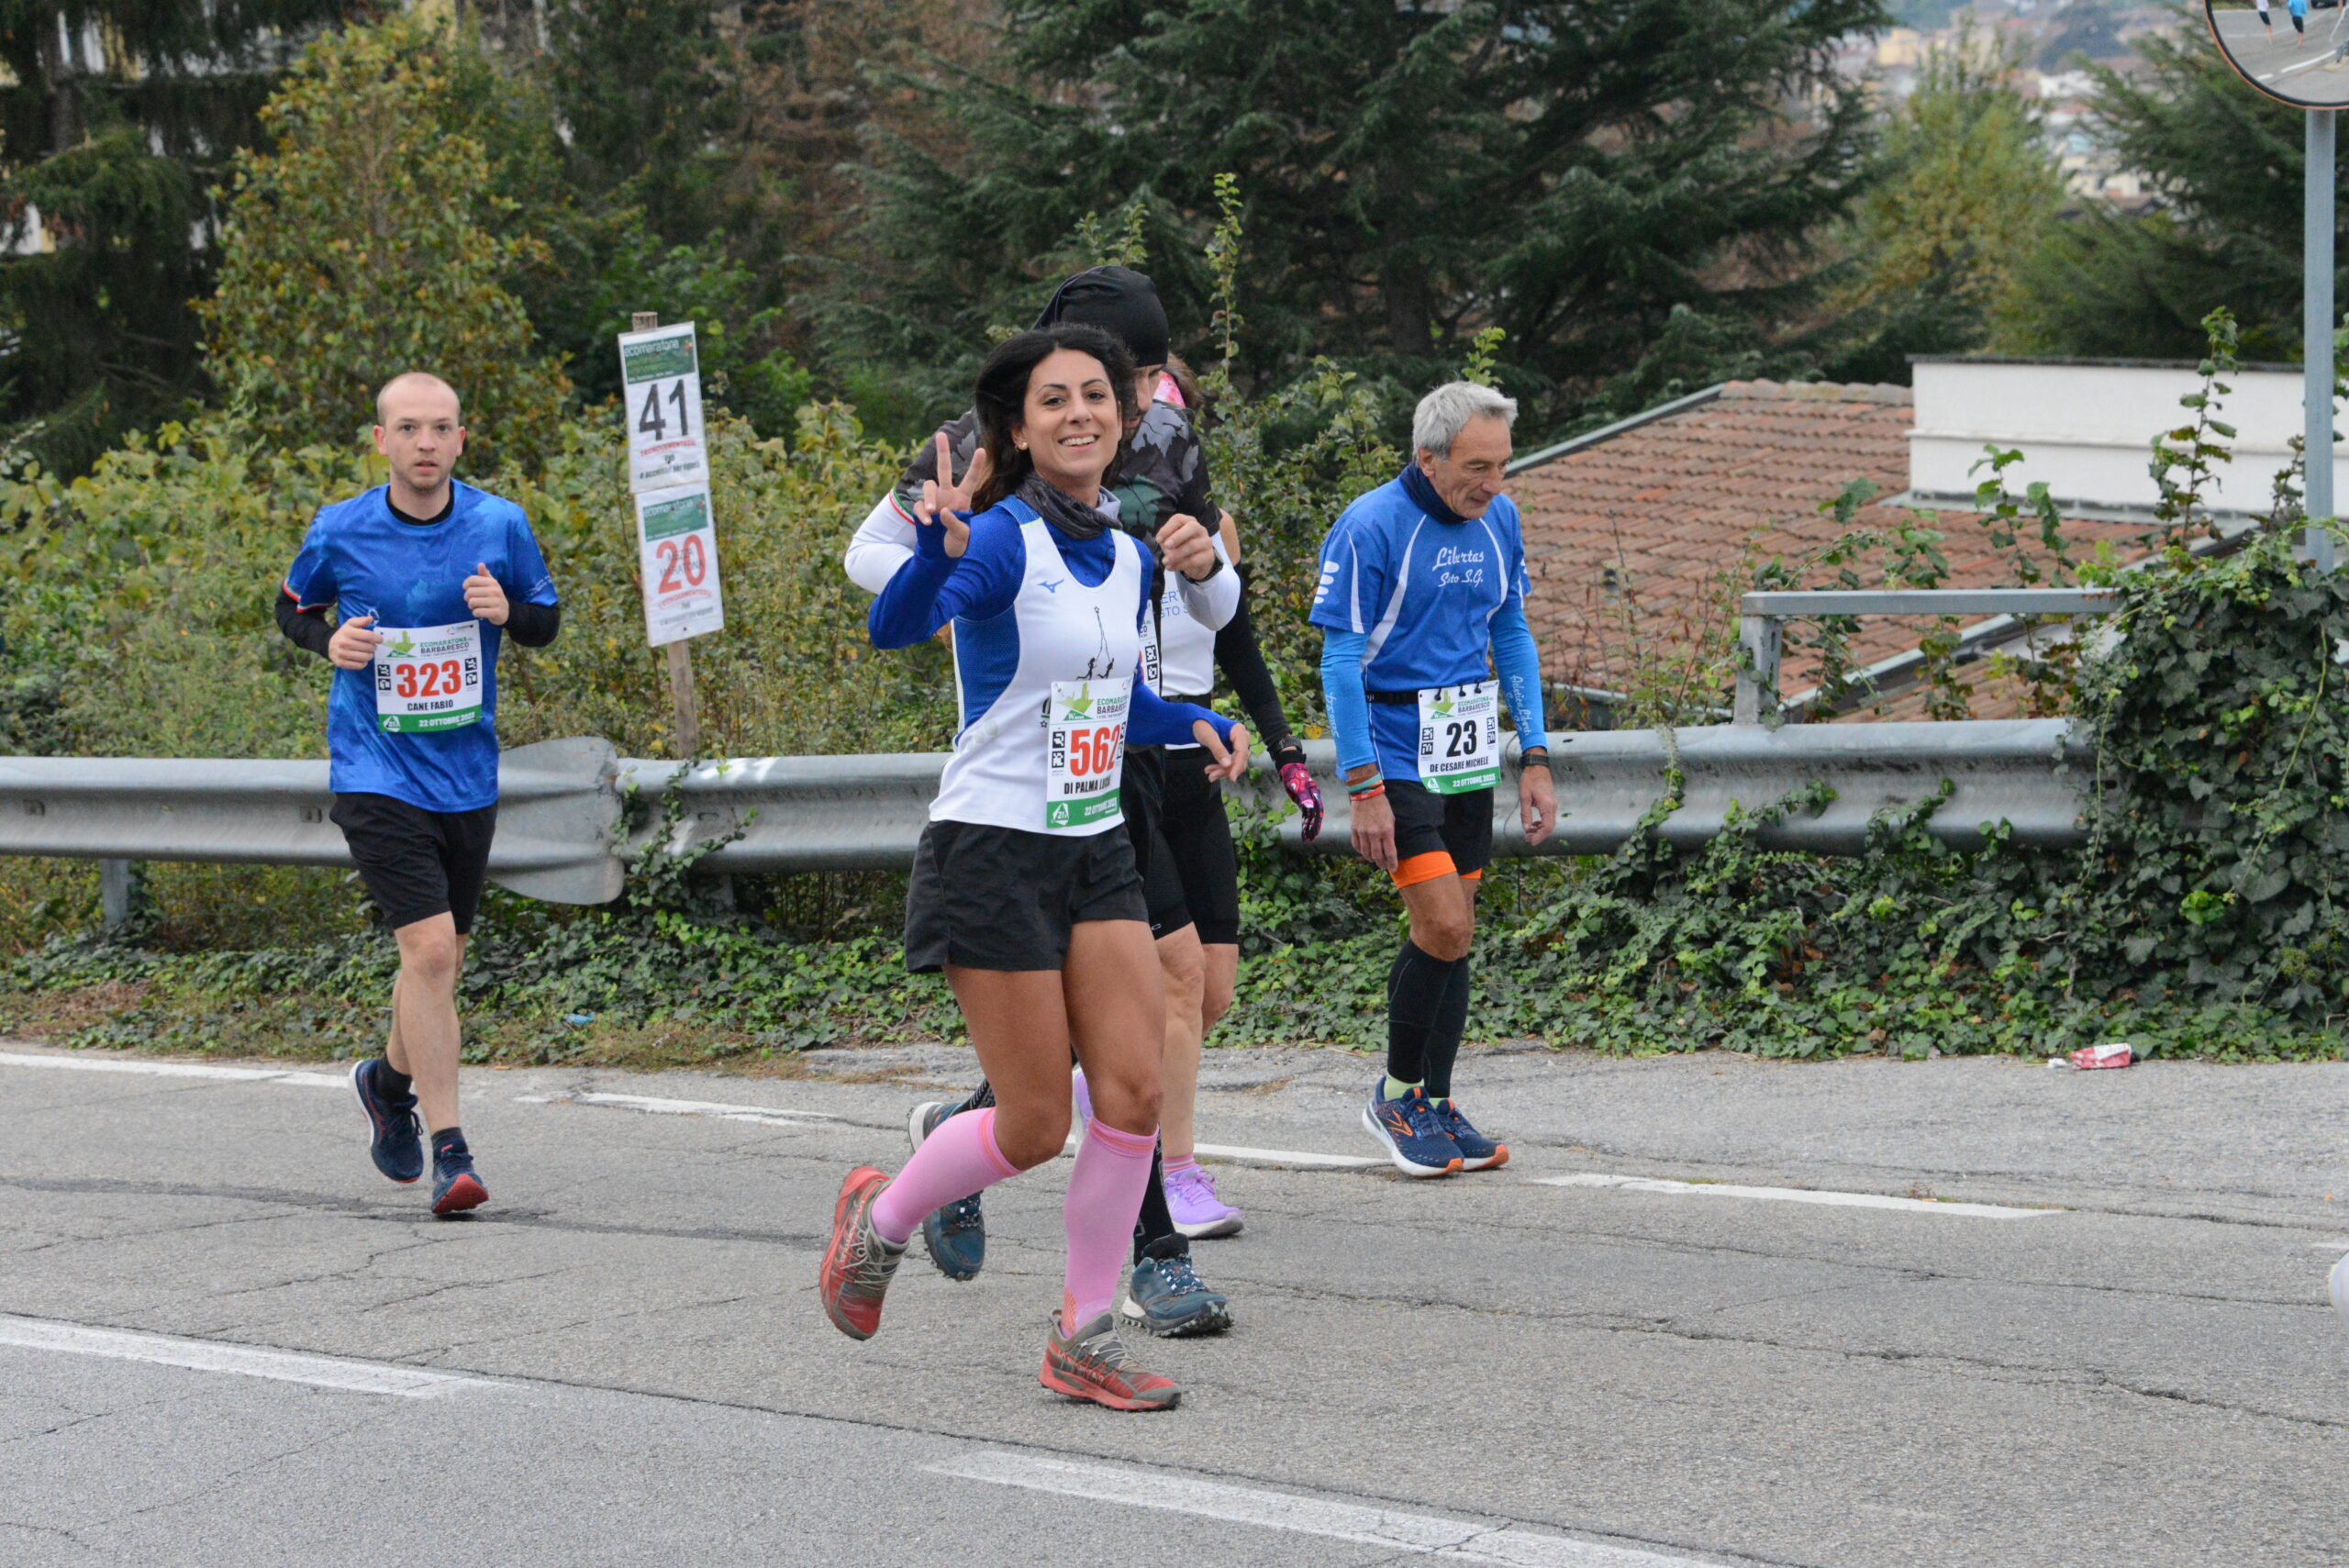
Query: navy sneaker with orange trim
[
  {"x": 394, "y": 1141},
  {"x": 456, "y": 1187},
  {"x": 858, "y": 1264},
  {"x": 1093, "y": 1363},
  {"x": 1477, "y": 1152},
  {"x": 1408, "y": 1130}
]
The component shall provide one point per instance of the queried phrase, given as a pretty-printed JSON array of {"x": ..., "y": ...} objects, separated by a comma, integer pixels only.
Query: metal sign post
[{"x": 2316, "y": 330}]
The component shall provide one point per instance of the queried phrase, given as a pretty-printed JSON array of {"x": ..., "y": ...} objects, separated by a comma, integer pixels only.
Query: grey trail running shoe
[{"x": 1166, "y": 1298}]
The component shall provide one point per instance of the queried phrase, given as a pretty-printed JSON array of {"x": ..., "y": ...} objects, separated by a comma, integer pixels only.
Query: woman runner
[
  {"x": 1024, "y": 889},
  {"x": 1161, "y": 482}
]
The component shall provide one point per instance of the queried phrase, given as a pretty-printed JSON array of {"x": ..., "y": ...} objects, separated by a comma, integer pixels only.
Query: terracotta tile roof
[{"x": 1639, "y": 544}]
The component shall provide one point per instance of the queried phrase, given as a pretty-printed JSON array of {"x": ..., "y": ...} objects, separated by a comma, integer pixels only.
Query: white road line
[
  {"x": 1299, "y": 1158},
  {"x": 180, "y": 1069},
  {"x": 1794, "y": 1195},
  {"x": 775, "y": 1116},
  {"x": 210, "y": 1355},
  {"x": 649, "y": 1105},
  {"x": 2304, "y": 65},
  {"x": 1455, "y": 1540}
]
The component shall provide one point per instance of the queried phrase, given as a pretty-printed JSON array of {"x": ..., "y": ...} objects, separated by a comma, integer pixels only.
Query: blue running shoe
[
  {"x": 1408, "y": 1130},
  {"x": 1165, "y": 1298},
  {"x": 1477, "y": 1152},
  {"x": 455, "y": 1187},
  {"x": 955, "y": 1234},
  {"x": 396, "y": 1143}
]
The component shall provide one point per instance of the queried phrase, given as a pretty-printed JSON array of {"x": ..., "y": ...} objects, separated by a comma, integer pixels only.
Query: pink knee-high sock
[
  {"x": 952, "y": 1163},
  {"x": 1103, "y": 1196}
]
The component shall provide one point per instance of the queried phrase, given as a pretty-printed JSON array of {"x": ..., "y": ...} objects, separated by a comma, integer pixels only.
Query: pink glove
[{"x": 1298, "y": 780}]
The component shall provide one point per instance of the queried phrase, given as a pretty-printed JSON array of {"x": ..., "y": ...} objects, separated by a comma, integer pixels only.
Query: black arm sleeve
[
  {"x": 1242, "y": 664},
  {"x": 533, "y": 625},
  {"x": 304, "y": 629}
]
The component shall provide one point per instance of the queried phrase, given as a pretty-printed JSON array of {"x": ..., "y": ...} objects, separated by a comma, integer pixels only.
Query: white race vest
[
  {"x": 1186, "y": 645},
  {"x": 428, "y": 678},
  {"x": 1459, "y": 738},
  {"x": 1047, "y": 752}
]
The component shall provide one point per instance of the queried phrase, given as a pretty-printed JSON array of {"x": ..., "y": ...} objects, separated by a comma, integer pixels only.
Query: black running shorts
[
  {"x": 418, "y": 863},
  {"x": 1142, "y": 797},
  {"x": 1198, "y": 837},
  {"x": 988, "y": 897},
  {"x": 1438, "y": 835}
]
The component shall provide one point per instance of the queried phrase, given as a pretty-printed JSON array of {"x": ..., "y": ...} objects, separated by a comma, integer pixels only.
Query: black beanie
[{"x": 1120, "y": 302}]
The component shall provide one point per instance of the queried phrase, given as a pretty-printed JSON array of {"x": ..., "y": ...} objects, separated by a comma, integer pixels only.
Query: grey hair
[{"x": 1445, "y": 412}]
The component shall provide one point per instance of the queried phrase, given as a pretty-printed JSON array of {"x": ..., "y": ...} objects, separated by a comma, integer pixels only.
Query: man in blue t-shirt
[
  {"x": 1422, "y": 578},
  {"x": 425, "y": 576}
]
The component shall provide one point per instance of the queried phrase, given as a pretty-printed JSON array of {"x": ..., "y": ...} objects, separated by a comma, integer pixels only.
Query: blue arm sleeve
[
  {"x": 1343, "y": 694},
  {"x": 1154, "y": 722},
  {"x": 1520, "y": 665},
  {"x": 933, "y": 588}
]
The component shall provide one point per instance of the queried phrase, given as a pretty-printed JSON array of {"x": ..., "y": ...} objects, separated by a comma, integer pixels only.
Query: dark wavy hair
[{"x": 1001, "y": 397}]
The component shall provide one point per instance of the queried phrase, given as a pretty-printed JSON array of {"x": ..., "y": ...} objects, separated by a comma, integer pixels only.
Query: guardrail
[
  {"x": 558, "y": 807},
  {"x": 560, "y": 839},
  {"x": 1761, "y": 617}
]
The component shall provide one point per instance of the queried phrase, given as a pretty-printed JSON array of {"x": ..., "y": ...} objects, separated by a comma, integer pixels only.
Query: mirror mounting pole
[{"x": 2317, "y": 328}]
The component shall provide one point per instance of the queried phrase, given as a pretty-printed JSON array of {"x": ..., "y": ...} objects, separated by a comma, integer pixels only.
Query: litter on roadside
[{"x": 2089, "y": 1058}]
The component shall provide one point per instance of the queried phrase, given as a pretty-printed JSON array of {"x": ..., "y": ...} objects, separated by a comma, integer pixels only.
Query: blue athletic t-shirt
[
  {"x": 361, "y": 558},
  {"x": 1425, "y": 592}
]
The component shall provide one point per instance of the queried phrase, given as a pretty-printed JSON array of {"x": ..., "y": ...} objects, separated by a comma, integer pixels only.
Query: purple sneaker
[{"x": 1198, "y": 1213}]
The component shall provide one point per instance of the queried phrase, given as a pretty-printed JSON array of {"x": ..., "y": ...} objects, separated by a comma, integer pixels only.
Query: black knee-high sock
[
  {"x": 1451, "y": 1023},
  {"x": 1415, "y": 988},
  {"x": 1155, "y": 1226}
]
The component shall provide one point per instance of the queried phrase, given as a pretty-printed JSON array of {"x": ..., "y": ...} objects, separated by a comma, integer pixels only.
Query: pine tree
[
  {"x": 115, "y": 119},
  {"x": 2229, "y": 164},
  {"x": 1414, "y": 171}
]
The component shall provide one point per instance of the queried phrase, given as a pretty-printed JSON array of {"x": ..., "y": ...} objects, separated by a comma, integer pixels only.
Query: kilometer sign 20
[
  {"x": 660, "y": 398},
  {"x": 677, "y": 549}
]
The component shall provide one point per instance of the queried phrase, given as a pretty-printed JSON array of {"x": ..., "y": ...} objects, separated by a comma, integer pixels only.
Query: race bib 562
[{"x": 1085, "y": 739}]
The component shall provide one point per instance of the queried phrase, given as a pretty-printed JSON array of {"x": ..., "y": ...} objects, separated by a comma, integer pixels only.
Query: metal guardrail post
[
  {"x": 114, "y": 893},
  {"x": 1757, "y": 679}
]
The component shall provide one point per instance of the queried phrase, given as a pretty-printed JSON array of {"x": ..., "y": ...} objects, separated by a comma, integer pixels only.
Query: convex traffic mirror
[{"x": 2295, "y": 50}]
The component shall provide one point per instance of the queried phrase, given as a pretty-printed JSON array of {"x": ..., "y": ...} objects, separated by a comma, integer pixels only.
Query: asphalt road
[{"x": 2089, "y": 1328}]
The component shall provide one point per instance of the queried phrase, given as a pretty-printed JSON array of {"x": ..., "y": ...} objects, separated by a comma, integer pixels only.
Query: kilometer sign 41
[
  {"x": 660, "y": 397},
  {"x": 677, "y": 549}
]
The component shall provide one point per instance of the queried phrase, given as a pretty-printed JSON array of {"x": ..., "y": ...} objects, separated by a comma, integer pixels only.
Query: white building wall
[{"x": 2086, "y": 429}]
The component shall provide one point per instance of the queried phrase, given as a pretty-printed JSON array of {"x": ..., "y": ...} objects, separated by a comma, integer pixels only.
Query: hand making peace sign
[{"x": 942, "y": 498}]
